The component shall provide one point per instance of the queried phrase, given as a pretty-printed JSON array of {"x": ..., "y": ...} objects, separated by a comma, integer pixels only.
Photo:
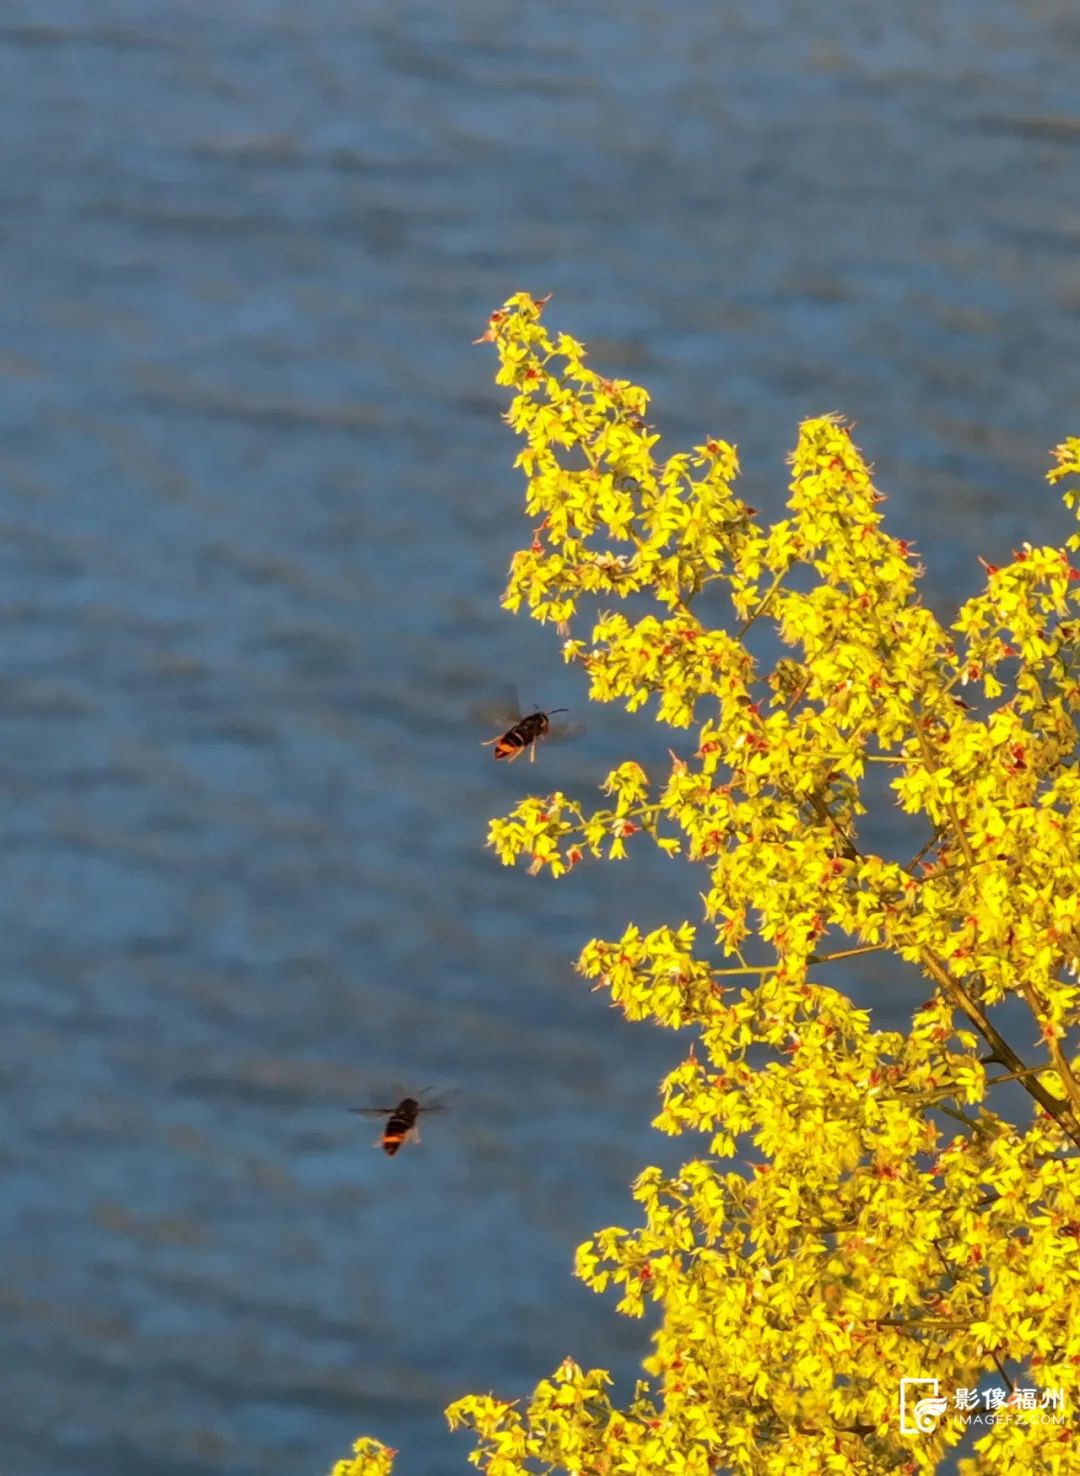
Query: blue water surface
[{"x": 257, "y": 508}]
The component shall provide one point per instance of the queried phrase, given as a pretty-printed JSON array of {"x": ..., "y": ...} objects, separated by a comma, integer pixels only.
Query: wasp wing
[
  {"x": 564, "y": 732},
  {"x": 495, "y": 715},
  {"x": 374, "y": 1111},
  {"x": 502, "y": 711},
  {"x": 446, "y": 1099}
]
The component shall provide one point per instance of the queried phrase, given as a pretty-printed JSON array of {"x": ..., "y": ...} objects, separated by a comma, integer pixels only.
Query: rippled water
[{"x": 257, "y": 508}]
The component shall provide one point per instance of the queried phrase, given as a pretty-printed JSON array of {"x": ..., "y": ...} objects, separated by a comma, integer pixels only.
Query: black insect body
[
  {"x": 526, "y": 733},
  {"x": 401, "y": 1122}
]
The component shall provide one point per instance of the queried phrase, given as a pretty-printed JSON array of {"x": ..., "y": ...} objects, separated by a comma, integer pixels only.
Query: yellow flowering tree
[{"x": 868, "y": 1211}]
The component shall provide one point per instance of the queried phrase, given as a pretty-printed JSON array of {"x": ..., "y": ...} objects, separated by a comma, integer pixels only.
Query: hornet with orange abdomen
[
  {"x": 401, "y": 1122},
  {"x": 525, "y": 732}
]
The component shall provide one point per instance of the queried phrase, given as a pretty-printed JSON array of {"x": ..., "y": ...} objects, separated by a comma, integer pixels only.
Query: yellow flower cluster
[{"x": 873, "y": 1207}]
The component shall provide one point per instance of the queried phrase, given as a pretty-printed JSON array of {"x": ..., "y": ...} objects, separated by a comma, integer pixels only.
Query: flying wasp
[
  {"x": 401, "y": 1122},
  {"x": 526, "y": 731}
]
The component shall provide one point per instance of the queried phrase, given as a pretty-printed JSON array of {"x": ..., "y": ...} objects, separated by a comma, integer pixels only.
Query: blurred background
[{"x": 257, "y": 511}]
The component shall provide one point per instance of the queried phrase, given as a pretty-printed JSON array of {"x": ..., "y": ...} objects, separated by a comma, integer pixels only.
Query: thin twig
[
  {"x": 1003, "y": 1051},
  {"x": 930, "y": 844},
  {"x": 763, "y": 605},
  {"x": 824, "y": 958},
  {"x": 1038, "y": 1009},
  {"x": 947, "y": 805}
]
